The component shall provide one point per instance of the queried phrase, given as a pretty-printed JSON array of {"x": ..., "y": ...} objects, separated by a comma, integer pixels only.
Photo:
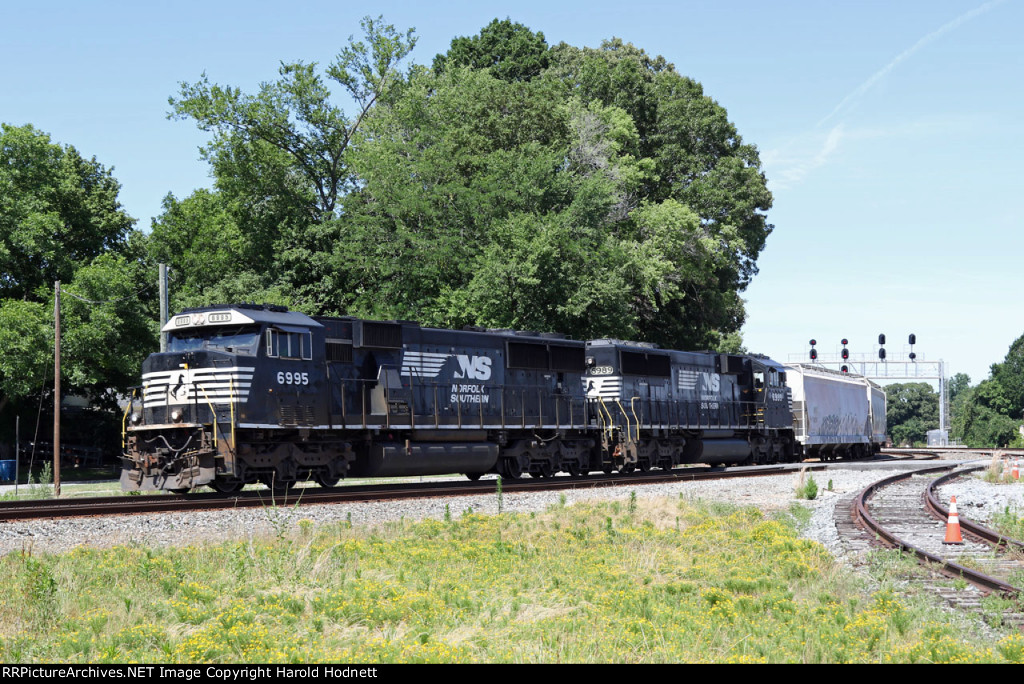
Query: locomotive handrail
[
  {"x": 634, "y": 410},
  {"x": 624, "y": 415},
  {"x": 216, "y": 432},
  {"x": 124, "y": 419}
]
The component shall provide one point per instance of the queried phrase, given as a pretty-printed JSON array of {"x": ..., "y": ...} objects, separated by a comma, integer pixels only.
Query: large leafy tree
[
  {"x": 700, "y": 161},
  {"x": 603, "y": 195},
  {"x": 590, "y": 191},
  {"x": 60, "y": 219},
  {"x": 280, "y": 162}
]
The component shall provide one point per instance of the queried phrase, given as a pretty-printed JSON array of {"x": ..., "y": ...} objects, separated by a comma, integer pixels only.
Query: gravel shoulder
[{"x": 769, "y": 493}]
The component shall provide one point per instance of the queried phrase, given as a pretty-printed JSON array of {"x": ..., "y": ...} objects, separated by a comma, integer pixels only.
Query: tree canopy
[
  {"x": 991, "y": 413},
  {"x": 911, "y": 410},
  {"x": 60, "y": 219},
  {"x": 590, "y": 191}
]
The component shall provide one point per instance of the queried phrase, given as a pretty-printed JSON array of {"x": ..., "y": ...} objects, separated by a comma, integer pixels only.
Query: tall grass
[{"x": 650, "y": 581}]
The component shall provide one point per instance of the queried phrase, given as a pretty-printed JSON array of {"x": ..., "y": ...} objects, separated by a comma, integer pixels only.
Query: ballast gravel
[{"x": 768, "y": 493}]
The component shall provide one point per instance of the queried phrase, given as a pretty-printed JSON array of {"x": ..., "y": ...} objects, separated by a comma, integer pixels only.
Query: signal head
[
  {"x": 814, "y": 354},
  {"x": 845, "y": 369},
  {"x": 913, "y": 339},
  {"x": 845, "y": 342},
  {"x": 814, "y": 342},
  {"x": 846, "y": 353},
  {"x": 881, "y": 339},
  {"x": 881, "y": 354}
]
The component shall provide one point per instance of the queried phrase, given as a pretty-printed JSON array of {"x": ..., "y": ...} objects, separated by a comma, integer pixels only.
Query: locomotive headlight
[
  {"x": 176, "y": 416},
  {"x": 136, "y": 418}
]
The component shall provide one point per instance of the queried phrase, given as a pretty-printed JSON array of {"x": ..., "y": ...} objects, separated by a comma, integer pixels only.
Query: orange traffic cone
[
  {"x": 953, "y": 535},
  {"x": 1015, "y": 472}
]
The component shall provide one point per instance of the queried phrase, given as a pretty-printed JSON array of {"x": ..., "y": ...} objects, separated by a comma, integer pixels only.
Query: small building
[{"x": 938, "y": 438}]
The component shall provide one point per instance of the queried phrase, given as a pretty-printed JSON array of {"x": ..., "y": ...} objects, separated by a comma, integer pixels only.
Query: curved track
[{"x": 903, "y": 512}]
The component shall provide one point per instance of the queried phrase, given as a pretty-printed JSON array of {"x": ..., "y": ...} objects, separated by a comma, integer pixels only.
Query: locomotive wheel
[
  {"x": 543, "y": 470},
  {"x": 574, "y": 469},
  {"x": 512, "y": 469},
  {"x": 325, "y": 480},
  {"x": 275, "y": 485}
]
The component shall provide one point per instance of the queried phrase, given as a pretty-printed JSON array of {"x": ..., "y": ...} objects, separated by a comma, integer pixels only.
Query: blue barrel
[{"x": 7, "y": 470}]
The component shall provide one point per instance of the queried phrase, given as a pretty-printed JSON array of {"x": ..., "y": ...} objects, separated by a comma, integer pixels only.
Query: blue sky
[{"x": 890, "y": 132}]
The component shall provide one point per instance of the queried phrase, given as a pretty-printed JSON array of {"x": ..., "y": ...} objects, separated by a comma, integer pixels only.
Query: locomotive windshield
[{"x": 236, "y": 339}]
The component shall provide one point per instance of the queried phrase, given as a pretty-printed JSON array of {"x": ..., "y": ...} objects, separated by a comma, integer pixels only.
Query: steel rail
[
  {"x": 948, "y": 567},
  {"x": 126, "y": 505}
]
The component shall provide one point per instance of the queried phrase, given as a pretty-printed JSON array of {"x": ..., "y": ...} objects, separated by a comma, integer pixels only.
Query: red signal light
[
  {"x": 846, "y": 353},
  {"x": 845, "y": 342},
  {"x": 814, "y": 354},
  {"x": 845, "y": 369}
]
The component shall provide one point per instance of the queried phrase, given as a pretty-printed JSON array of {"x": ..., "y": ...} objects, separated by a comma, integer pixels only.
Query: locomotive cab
[{"x": 225, "y": 370}]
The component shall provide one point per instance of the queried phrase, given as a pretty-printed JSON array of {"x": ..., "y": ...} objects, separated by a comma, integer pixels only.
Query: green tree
[
  {"x": 536, "y": 202},
  {"x": 911, "y": 410},
  {"x": 979, "y": 417},
  {"x": 57, "y": 211},
  {"x": 60, "y": 220},
  {"x": 991, "y": 413},
  {"x": 698, "y": 160},
  {"x": 958, "y": 384},
  {"x": 511, "y": 51},
  {"x": 280, "y": 162},
  {"x": 1009, "y": 375},
  {"x": 593, "y": 192}
]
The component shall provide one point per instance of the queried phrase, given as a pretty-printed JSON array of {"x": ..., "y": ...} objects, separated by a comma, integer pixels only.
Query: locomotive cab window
[
  {"x": 759, "y": 379},
  {"x": 289, "y": 343},
  {"x": 235, "y": 340}
]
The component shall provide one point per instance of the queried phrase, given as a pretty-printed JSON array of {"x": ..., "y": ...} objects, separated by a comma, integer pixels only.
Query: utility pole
[
  {"x": 56, "y": 388},
  {"x": 163, "y": 306}
]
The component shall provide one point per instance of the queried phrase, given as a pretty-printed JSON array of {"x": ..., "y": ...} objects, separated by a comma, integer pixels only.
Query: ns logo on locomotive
[{"x": 251, "y": 393}]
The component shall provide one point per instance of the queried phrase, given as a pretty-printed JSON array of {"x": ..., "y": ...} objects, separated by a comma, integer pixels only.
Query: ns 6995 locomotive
[{"x": 258, "y": 393}]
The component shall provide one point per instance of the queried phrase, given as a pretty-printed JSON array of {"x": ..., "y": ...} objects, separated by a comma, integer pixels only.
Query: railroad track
[
  {"x": 160, "y": 503},
  {"x": 904, "y": 512},
  {"x": 304, "y": 496}
]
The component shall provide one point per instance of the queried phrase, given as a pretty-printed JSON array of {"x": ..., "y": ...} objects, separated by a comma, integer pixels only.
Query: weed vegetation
[
  {"x": 999, "y": 472},
  {"x": 637, "y": 581}
]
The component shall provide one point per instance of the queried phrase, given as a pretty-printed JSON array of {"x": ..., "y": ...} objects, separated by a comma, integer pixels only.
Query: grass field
[{"x": 645, "y": 581}]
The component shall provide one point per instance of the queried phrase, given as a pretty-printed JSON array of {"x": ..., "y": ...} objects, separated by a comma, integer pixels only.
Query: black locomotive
[{"x": 258, "y": 393}]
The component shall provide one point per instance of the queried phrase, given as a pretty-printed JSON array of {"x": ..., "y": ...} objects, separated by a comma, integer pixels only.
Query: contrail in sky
[{"x": 881, "y": 73}]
